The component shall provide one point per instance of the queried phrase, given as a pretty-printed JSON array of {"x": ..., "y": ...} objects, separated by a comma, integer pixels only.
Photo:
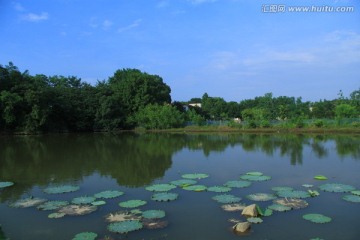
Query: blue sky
[{"x": 227, "y": 48}]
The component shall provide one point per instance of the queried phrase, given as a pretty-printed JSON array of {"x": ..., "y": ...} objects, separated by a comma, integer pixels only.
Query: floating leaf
[
  {"x": 320, "y": 177},
  {"x": 27, "y": 202},
  {"x": 226, "y": 198},
  {"x": 164, "y": 197},
  {"x": 255, "y": 178},
  {"x": 125, "y": 226},
  {"x": 259, "y": 210},
  {"x": 293, "y": 203},
  {"x": 268, "y": 212},
  {"x": 254, "y": 220},
  {"x": 261, "y": 197},
  {"x": 316, "y": 238},
  {"x": 132, "y": 203},
  {"x": 85, "y": 236},
  {"x": 160, "y": 187},
  {"x": 219, "y": 189},
  {"x": 237, "y": 184},
  {"x": 52, "y": 205},
  {"x": 313, "y": 193},
  {"x": 317, "y": 218},
  {"x": 352, "y": 198},
  {"x": 6, "y": 184},
  {"x": 255, "y": 173},
  {"x": 233, "y": 207},
  {"x": 336, "y": 187},
  {"x": 83, "y": 200},
  {"x": 184, "y": 182},
  {"x": 121, "y": 216},
  {"x": 98, "y": 203},
  {"x": 150, "y": 214},
  {"x": 356, "y": 192},
  {"x": 77, "y": 210},
  {"x": 56, "y": 215},
  {"x": 109, "y": 194},
  {"x": 308, "y": 185},
  {"x": 154, "y": 223},
  {"x": 195, "y": 175},
  {"x": 293, "y": 194},
  {"x": 136, "y": 211},
  {"x": 279, "y": 208},
  {"x": 195, "y": 188},
  {"x": 277, "y": 189},
  {"x": 61, "y": 189}
]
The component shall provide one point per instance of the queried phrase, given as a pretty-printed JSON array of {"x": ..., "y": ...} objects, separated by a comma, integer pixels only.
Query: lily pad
[
  {"x": 195, "y": 176},
  {"x": 61, "y": 189},
  {"x": 255, "y": 178},
  {"x": 313, "y": 193},
  {"x": 226, "y": 198},
  {"x": 52, "y": 205},
  {"x": 219, "y": 189},
  {"x": 255, "y": 173},
  {"x": 268, "y": 212},
  {"x": 132, "y": 203},
  {"x": 356, "y": 192},
  {"x": 125, "y": 226},
  {"x": 109, "y": 194},
  {"x": 254, "y": 220},
  {"x": 154, "y": 223},
  {"x": 121, "y": 216},
  {"x": 352, "y": 198},
  {"x": 308, "y": 185},
  {"x": 278, "y": 189},
  {"x": 98, "y": 203},
  {"x": 56, "y": 215},
  {"x": 317, "y": 218},
  {"x": 293, "y": 203},
  {"x": 233, "y": 207},
  {"x": 183, "y": 182},
  {"x": 6, "y": 184},
  {"x": 237, "y": 184},
  {"x": 77, "y": 210},
  {"x": 320, "y": 177},
  {"x": 195, "y": 188},
  {"x": 83, "y": 200},
  {"x": 164, "y": 197},
  {"x": 27, "y": 202},
  {"x": 150, "y": 214},
  {"x": 293, "y": 194},
  {"x": 160, "y": 187},
  {"x": 279, "y": 208},
  {"x": 85, "y": 236},
  {"x": 336, "y": 187},
  {"x": 261, "y": 197}
]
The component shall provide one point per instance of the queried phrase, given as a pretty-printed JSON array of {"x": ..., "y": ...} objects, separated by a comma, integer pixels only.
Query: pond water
[{"x": 130, "y": 162}]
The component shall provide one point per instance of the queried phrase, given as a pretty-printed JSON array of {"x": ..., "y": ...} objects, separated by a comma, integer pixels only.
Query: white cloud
[
  {"x": 107, "y": 24},
  {"x": 32, "y": 17},
  {"x": 135, "y": 24}
]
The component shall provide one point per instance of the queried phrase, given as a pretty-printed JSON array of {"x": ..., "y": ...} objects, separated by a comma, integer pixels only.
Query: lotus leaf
[
  {"x": 52, "y": 205},
  {"x": 125, "y": 226},
  {"x": 313, "y": 193},
  {"x": 293, "y": 203},
  {"x": 195, "y": 188},
  {"x": 293, "y": 194},
  {"x": 83, "y": 200},
  {"x": 28, "y": 202},
  {"x": 261, "y": 196},
  {"x": 259, "y": 210},
  {"x": 132, "y": 203},
  {"x": 279, "y": 208},
  {"x": 85, "y": 236},
  {"x": 183, "y": 182},
  {"x": 356, "y": 192},
  {"x": 226, "y": 198},
  {"x": 121, "y": 217},
  {"x": 98, "y": 203},
  {"x": 160, "y": 187},
  {"x": 164, "y": 197},
  {"x": 233, "y": 207},
  {"x": 308, "y": 185},
  {"x": 150, "y": 214},
  {"x": 336, "y": 187},
  {"x": 254, "y": 220},
  {"x": 255, "y": 178},
  {"x": 108, "y": 194},
  {"x": 268, "y": 212},
  {"x": 320, "y": 177},
  {"x": 317, "y": 218},
  {"x": 352, "y": 198},
  {"x": 255, "y": 173},
  {"x": 56, "y": 215},
  {"x": 278, "y": 189},
  {"x": 219, "y": 189},
  {"x": 195, "y": 175},
  {"x": 237, "y": 184},
  {"x": 77, "y": 210},
  {"x": 6, "y": 184},
  {"x": 154, "y": 223},
  {"x": 61, "y": 189}
]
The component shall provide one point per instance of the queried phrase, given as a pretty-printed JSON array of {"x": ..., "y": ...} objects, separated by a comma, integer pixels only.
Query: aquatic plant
[
  {"x": 52, "y": 205},
  {"x": 279, "y": 208},
  {"x": 109, "y": 194},
  {"x": 237, "y": 184},
  {"x": 98, "y": 203},
  {"x": 233, "y": 207},
  {"x": 6, "y": 184},
  {"x": 61, "y": 189},
  {"x": 219, "y": 189},
  {"x": 278, "y": 189},
  {"x": 356, "y": 192},
  {"x": 164, "y": 197},
  {"x": 254, "y": 220},
  {"x": 320, "y": 177},
  {"x": 83, "y": 200},
  {"x": 255, "y": 178},
  {"x": 132, "y": 203},
  {"x": 268, "y": 212},
  {"x": 316, "y": 218},
  {"x": 293, "y": 194},
  {"x": 77, "y": 210},
  {"x": 195, "y": 188},
  {"x": 226, "y": 198},
  {"x": 352, "y": 198},
  {"x": 125, "y": 226},
  {"x": 313, "y": 193},
  {"x": 85, "y": 236},
  {"x": 183, "y": 182},
  {"x": 150, "y": 214},
  {"x": 336, "y": 187},
  {"x": 307, "y": 185},
  {"x": 195, "y": 175},
  {"x": 160, "y": 187},
  {"x": 121, "y": 216},
  {"x": 154, "y": 223},
  {"x": 261, "y": 197},
  {"x": 56, "y": 215},
  {"x": 27, "y": 202},
  {"x": 255, "y": 173},
  {"x": 293, "y": 203}
]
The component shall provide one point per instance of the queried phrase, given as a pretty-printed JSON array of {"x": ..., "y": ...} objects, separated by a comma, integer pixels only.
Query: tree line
[{"x": 131, "y": 98}]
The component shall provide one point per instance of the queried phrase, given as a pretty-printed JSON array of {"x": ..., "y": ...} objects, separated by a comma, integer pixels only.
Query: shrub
[{"x": 319, "y": 123}]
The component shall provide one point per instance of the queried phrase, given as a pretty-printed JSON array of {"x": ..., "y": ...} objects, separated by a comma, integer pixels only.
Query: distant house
[{"x": 195, "y": 105}]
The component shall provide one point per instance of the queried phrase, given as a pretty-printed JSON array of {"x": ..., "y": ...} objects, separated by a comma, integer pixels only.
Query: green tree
[{"x": 345, "y": 111}]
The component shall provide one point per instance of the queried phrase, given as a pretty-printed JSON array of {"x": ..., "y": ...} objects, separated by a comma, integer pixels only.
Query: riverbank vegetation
[{"x": 131, "y": 99}]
